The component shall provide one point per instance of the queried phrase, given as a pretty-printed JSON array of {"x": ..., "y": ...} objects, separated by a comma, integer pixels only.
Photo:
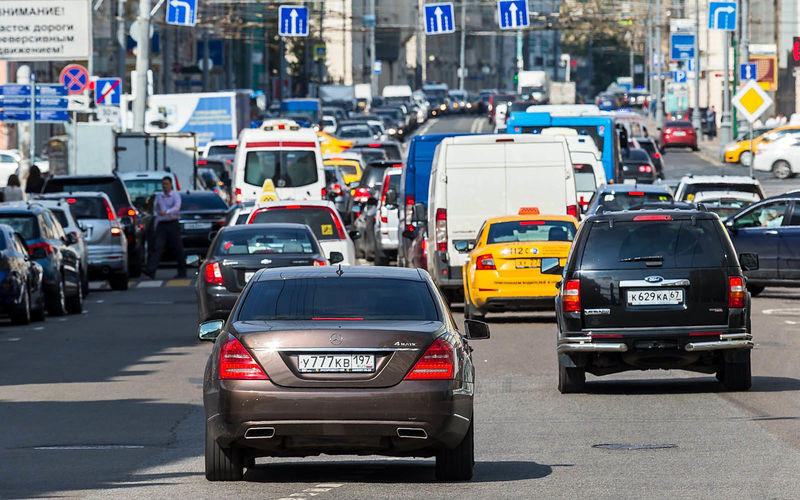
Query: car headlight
[
  {"x": 391, "y": 131},
  {"x": 442, "y": 107}
]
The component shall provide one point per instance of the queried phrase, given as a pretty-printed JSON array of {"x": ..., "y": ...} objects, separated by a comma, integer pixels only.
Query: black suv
[{"x": 654, "y": 289}]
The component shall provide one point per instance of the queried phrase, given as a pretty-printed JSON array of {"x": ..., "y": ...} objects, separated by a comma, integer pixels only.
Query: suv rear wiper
[{"x": 643, "y": 258}]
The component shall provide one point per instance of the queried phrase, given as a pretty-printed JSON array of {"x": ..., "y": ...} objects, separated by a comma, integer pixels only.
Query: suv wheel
[
  {"x": 781, "y": 169},
  {"x": 57, "y": 306},
  {"x": 736, "y": 376},
  {"x": 75, "y": 303},
  {"x": 755, "y": 289},
  {"x": 457, "y": 464},
  {"x": 222, "y": 464},
  {"x": 570, "y": 380}
]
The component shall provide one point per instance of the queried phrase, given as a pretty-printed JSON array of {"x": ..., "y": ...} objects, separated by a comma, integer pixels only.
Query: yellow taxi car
[
  {"x": 739, "y": 151},
  {"x": 351, "y": 169},
  {"x": 516, "y": 262},
  {"x": 330, "y": 144}
]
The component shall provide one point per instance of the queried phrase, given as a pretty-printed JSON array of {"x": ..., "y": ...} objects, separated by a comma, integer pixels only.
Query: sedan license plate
[
  {"x": 527, "y": 263},
  {"x": 679, "y": 133},
  {"x": 197, "y": 225},
  {"x": 248, "y": 275},
  {"x": 655, "y": 297},
  {"x": 333, "y": 363}
]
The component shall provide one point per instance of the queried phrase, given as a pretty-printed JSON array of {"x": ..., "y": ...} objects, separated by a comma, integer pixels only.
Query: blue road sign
[
  {"x": 75, "y": 78},
  {"x": 52, "y": 116},
  {"x": 15, "y": 90},
  {"x": 722, "y": 16},
  {"x": 15, "y": 102},
  {"x": 107, "y": 91},
  {"x": 292, "y": 20},
  {"x": 51, "y": 90},
  {"x": 439, "y": 19},
  {"x": 54, "y": 103},
  {"x": 747, "y": 71},
  {"x": 512, "y": 14},
  {"x": 44, "y": 116},
  {"x": 182, "y": 12},
  {"x": 680, "y": 76},
  {"x": 681, "y": 46}
]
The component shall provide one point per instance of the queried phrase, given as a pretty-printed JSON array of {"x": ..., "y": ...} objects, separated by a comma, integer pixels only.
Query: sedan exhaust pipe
[
  {"x": 411, "y": 433},
  {"x": 259, "y": 433}
]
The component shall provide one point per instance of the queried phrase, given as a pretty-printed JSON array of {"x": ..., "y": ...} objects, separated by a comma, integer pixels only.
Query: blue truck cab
[
  {"x": 309, "y": 107},
  {"x": 601, "y": 128}
]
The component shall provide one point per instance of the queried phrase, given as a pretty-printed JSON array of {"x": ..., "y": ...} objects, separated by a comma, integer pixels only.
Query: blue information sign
[
  {"x": 681, "y": 46},
  {"x": 292, "y": 20},
  {"x": 439, "y": 18},
  {"x": 182, "y": 12},
  {"x": 512, "y": 14}
]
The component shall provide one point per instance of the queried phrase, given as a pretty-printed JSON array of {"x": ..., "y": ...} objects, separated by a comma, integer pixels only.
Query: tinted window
[
  {"x": 372, "y": 176},
  {"x": 347, "y": 169},
  {"x": 530, "y": 230},
  {"x": 765, "y": 215},
  {"x": 201, "y": 202},
  {"x": 681, "y": 244},
  {"x": 392, "y": 151},
  {"x": 320, "y": 220},
  {"x": 678, "y": 124},
  {"x": 691, "y": 189},
  {"x": 623, "y": 201},
  {"x": 222, "y": 150},
  {"x": 355, "y": 131},
  {"x": 112, "y": 187},
  {"x": 25, "y": 225},
  {"x": 141, "y": 189},
  {"x": 584, "y": 178},
  {"x": 89, "y": 208},
  {"x": 272, "y": 241},
  {"x": 285, "y": 168},
  {"x": 648, "y": 146},
  {"x": 371, "y": 155},
  {"x": 311, "y": 298},
  {"x": 633, "y": 154},
  {"x": 60, "y": 216}
]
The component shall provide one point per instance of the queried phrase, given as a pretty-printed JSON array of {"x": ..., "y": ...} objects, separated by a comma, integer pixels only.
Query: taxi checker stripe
[{"x": 109, "y": 91}]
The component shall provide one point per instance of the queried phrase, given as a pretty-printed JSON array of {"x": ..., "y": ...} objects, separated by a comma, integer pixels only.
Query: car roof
[
  {"x": 152, "y": 174},
  {"x": 83, "y": 177},
  {"x": 718, "y": 179},
  {"x": 22, "y": 207},
  {"x": 403, "y": 273},
  {"x": 63, "y": 194},
  {"x": 629, "y": 215},
  {"x": 302, "y": 203},
  {"x": 545, "y": 217},
  {"x": 625, "y": 188},
  {"x": 265, "y": 226}
]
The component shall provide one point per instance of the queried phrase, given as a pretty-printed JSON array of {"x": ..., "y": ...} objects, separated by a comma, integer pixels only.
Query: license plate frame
[
  {"x": 335, "y": 363},
  {"x": 197, "y": 226},
  {"x": 656, "y": 297},
  {"x": 527, "y": 263}
]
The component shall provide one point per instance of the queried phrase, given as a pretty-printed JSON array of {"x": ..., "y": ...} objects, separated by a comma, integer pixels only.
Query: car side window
[
  {"x": 766, "y": 215},
  {"x": 45, "y": 227},
  {"x": 20, "y": 246},
  {"x": 50, "y": 228},
  {"x": 794, "y": 220}
]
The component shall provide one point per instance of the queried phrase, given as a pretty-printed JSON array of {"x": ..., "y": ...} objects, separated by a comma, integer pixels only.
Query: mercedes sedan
[{"x": 327, "y": 360}]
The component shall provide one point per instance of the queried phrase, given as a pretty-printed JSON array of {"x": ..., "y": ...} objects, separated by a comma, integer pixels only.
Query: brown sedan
[{"x": 354, "y": 360}]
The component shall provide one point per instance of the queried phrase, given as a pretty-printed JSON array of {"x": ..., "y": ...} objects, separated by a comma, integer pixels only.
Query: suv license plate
[
  {"x": 333, "y": 363},
  {"x": 655, "y": 297},
  {"x": 527, "y": 263}
]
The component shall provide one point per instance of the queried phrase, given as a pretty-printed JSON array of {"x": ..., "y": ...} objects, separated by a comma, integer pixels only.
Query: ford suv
[{"x": 654, "y": 289}]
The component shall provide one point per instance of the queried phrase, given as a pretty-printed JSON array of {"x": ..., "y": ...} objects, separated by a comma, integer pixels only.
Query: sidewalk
[{"x": 709, "y": 151}]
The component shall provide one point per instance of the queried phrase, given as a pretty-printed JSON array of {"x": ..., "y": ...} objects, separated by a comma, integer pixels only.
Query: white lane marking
[
  {"x": 62, "y": 319},
  {"x": 790, "y": 322},
  {"x": 790, "y": 311},
  {"x": 38, "y": 328},
  {"x": 426, "y": 127},
  {"x": 92, "y": 447},
  {"x": 14, "y": 339},
  {"x": 150, "y": 284},
  {"x": 312, "y": 491},
  {"x": 99, "y": 301}
]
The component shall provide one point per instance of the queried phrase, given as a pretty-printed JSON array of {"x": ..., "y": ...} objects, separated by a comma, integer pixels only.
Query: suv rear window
[
  {"x": 272, "y": 241},
  {"x": 111, "y": 186},
  {"x": 25, "y": 225},
  {"x": 319, "y": 219},
  {"x": 222, "y": 150},
  {"x": 196, "y": 201},
  {"x": 530, "y": 230},
  {"x": 286, "y": 168},
  {"x": 584, "y": 178},
  {"x": 632, "y": 245},
  {"x": 85, "y": 207},
  {"x": 321, "y": 298},
  {"x": 141, "y": 189},
  {"x": 692, "y": 189},
  {"x": 615, "y": 202}
]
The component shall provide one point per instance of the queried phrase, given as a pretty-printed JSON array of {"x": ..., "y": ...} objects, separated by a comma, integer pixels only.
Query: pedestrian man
[
  {"x": 711, "y": 122},
  {"x": 167, "y": 228}
]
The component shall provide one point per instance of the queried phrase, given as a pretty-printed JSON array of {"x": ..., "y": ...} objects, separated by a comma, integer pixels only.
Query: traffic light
[{"x": 796, "y": 51}]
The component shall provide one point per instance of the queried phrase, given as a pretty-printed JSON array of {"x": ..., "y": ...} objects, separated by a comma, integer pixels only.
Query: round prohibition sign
[{"x": 75, "y": 78}]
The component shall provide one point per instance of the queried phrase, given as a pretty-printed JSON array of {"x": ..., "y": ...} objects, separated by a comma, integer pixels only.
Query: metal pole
[
  {"x": 33, "y": 118},
  {"x": 660, "y": 68},
  {"x": 321, "y": 62},
  {"x": 372, "y": 80},
  {"x": 142, "y": 65},
  {"x": 630, "y": 61},
  {"x": 696, "y": 120},
  {"x": 648, "y": 56},
  {"x": 461, "y": 68},
  {"x": 725, "y": 126},
  {"x": 204, "y": 60},
  {"x": 752, "y": 153},
  {"x": 744, "y": 42},
  {"x": 282, "y": 72}
]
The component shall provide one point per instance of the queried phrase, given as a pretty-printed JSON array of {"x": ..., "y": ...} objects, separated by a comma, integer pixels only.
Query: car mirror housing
[
  {"x": 461, "y": 246},
  {"x": 550, "y": 265},
  {"x": 354, "y": 234},
  {"x": 210, "y": 330},
  {"x": 420, "y": 213},
  {"x": 336, "y": 257},
  {"x": 193, "y": 260},
  {"x": 748, "y": 261},
  {"x": 476, "y": 330}
]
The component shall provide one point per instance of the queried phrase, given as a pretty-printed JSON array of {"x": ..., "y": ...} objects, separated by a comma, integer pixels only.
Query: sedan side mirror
[
  {"x": 731, "y": 227},
  {"x": 420, "y": 213},
  {"x": 476, "y": 330},
  {"x": 193, "y": 261},
  {"x": 354, "y": 234},
  {"x": 748, "y": 261},
  {"x": 336, "y": 257},
  {"x": 210, "y": 330}
]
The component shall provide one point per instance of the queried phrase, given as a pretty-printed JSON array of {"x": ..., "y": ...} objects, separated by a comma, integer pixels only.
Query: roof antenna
[{"x": 339, "y": 271}]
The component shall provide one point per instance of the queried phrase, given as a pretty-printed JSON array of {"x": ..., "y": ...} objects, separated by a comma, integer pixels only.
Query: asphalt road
[{"x": 108, "y": 404}]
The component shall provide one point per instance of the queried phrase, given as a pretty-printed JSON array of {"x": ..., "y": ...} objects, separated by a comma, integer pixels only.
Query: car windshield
[
  {"x": 678, "y": 124},
  {"x": 530, "y": 230},
  {"x": 373, "y": 176},
  {"x": 614, "y": 202},
  {"x": 319, "y": 219},
  {"x": 265, "y": 241},
  {"x": 584, "y": 178},
  {"x": 662, "y": 243},
  {"x": 329, "y": 299},
  {"x": 355, "y": 131},
  {"x": 286, "y": 168},
  {"x": 691, "y": 189},
  {"x": 226, "y": 150},
  {"x": 85, "y": 207},
  {"x": 113, "y": 187},
  {"x": 141, "y": 189},
  {"x": 635, "y": 155},
  {"x": 23, "y": 224},
  {"x": 195, "y": 201},
  {"x": 725, "y": 208}
]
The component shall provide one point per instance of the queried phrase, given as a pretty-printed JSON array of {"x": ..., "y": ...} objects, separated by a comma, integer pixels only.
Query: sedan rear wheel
[
  {"x": 222, "y": 464},
  {"x": 781, "y": 169},
  {"x": 75, "y": 303},
  {"x": 458, "y": 464},
  {"x": 58, "y": 305}
]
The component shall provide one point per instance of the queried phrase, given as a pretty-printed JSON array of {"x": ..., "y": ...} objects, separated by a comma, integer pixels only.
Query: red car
[{"x": 680, "y": 134}]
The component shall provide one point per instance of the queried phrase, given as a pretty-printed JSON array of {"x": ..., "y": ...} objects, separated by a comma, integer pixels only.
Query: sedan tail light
[
  {"x": 235, "y": 363},
  {"x": 214, "y": 274},
  {"x": 485, "y": 262},
  {"x": 736, "y": 292},
  {"x": 571, "y": 298},
  {"x": 645, "y": 168},
  {"x": 40, "y": 250},
  {"x": 438, "y": 363},
  {"x": 441, "y": 229}
]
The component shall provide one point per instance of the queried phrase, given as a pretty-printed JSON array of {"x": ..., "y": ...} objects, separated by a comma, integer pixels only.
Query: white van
[
  {"x": 475, "y": 177},
  {"x": 587, "y": 161},
  {"x": 282, "y": 151}
]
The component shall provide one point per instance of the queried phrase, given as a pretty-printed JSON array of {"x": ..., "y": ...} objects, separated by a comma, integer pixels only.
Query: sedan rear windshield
[
  {"x": 222, "y": 150},
  {"x": 530, "y": 230},
  {"x": 113, "y": 187},
  {"x": 691, "y": 189},
  {"x": 85, "y": 207},
  {"x": 272, "y": 241},
  {"x": 319, "y": 219},
  {"x": 635, "y": 155},
  {"x": 23, "y": 224},
  {"x": 141, "y": 189},
  {"x": 191, "y": 202},
  {"x": 355, "y": 131},
  {"x": 286, "y": 168},
  {"x": 614, "y": 202},
  {"x": 353, "y": 299},
  {"x": 660, "y": 244}
]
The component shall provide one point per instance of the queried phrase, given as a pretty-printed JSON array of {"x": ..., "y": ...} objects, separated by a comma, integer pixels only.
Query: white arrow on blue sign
[
  {"x": 292, "y": 20},
  {"x": 747, "y": 71},
  {"x": 722, "y": 16},
  {"x": 680, "y": 76},
  {"x": 107, "y": 91},
  {"x": 439, "y": 19},
  {"x": 512, "y": 14},
  {"x": 182, "y": 12}
]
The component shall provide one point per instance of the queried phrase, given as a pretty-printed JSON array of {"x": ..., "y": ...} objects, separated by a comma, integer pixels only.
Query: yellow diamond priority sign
[{"x": 751, "y": 101}]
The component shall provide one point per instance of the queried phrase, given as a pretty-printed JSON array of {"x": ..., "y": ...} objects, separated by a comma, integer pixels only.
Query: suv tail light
[
  {"x": 438, "y": 363},
  {"x": 441, "y": 229},
  {"x": 645, "y": 168},
  {"x": 485, "y": 263},
  {"x": 736, "y": 292},
  {"x": 571, "y": 298},
  {"x": 384, "y": 213},
  {"x": 572, "y": 210},
  {"x": 109, "y": 210},
  {"x": 235, "y": 363},
  {"x": 324, "y": 192},
  {"x": 214, "y": 273},
  {"x": 238, "y": 195},
  {"x": 409, "y": 212}
]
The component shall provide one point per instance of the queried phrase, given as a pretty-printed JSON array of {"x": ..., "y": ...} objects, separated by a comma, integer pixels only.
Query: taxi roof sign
[
  {"x": 752, "y": 101},
  {"x": 529, "y": 211}
]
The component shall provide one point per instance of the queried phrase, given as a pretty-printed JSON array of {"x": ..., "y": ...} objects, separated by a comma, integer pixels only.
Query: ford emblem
[{"x": 654, "y": 279}]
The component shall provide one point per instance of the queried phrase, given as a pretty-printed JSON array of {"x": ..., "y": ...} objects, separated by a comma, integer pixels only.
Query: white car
[
  {"x": 320, "y": 215},
  {"x": 9, "y": 164},
  {"x": 239, "y": 213},
  {"x": 781, "y": 157},
  {"x": 329, "y": 124},
  {"x": 725, "y": 203},
  {"x": 692, "y": 184},
  {"x": 387, "y": 219}
]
